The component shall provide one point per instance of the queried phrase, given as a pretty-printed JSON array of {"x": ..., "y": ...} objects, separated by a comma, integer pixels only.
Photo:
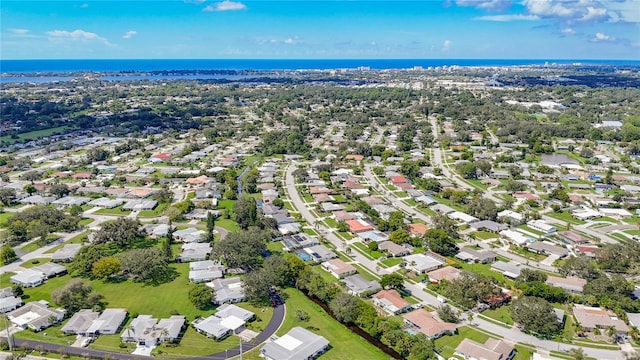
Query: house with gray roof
[
  {"x": 66, "y": 253},
  {"x": 8, "y": 301},
  {"x": 140, "y": 204},
  {"x": 50, "y": 269},
  {"x": 147, "y": 331},
  {"x": 480, "y": 256},
  {"x": 489, "y": 225},
  {"x": 359, "y": 286},
  {"x": 297, "y": 344},
  {"x": 80, "y": 322},
  {"x": 189, "y": 235},
  {"x": 228, "y": 290},
  {"x": 36, "y": 315},
  {"x": 206, "y": 270},
  {"x": 194, "y": 252},
  {"x": 70, "y": 201},
  {"x": 106, "y": 203},
  {"x": 28, "y": 278},
  {"x": 108, "y": 323}
]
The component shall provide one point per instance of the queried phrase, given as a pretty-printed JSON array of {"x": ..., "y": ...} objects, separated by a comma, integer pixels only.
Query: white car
[{"x": 86, "y": 342}]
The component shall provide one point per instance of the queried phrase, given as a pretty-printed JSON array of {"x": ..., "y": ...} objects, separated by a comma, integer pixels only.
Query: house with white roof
[
  {"x": 422, "y": 263},
  {"x": 229, "y": 319},
  {"x": 297, "y": 344},
  {"x": 36, "y": 315},
  {"x": 227, "y": 290},
  {"x": 29, "y": 278}
]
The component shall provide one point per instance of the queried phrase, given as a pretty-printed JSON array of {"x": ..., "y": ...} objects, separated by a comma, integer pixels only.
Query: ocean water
[{"x": 61, "y": 66}]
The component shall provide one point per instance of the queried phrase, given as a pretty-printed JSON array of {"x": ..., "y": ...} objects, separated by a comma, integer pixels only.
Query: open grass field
[
  {"x": 4, "y": 218},
  {"x": 33, "y": 135},
  {"x": 228, "y": 224},
  {"x": 344, "y": 343},
  {"x": 501, "y": 314}
]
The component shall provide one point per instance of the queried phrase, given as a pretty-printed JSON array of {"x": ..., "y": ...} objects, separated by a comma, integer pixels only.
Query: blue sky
[{"x": 458, "y": 29}]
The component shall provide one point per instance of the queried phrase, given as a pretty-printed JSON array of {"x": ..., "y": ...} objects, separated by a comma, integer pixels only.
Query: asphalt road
[{"x": 269, "y": 330}]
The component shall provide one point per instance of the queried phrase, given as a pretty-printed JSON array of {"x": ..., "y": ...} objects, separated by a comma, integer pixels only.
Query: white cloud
[
  {"x": 601, "y": 37},
  {"x": 19, "y": 31},
  {"x": 510, "y": 17},
  {"x": 290, "y": 41},
  {"x": 76, "y": 35},
  {"x": 226, "y": 5},
  {"x": 129, "y": 34},
  {"x": 446, "y": 45},
  {"x": 568, "y": 31},
  {"x": 573, "y": 10},
  {"x": 624, "y": 10},
  {"x": 485, "y": 4}
]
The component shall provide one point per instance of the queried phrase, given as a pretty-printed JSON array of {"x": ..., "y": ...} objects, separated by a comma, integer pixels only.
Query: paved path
[{"x": 269, "y": 330}]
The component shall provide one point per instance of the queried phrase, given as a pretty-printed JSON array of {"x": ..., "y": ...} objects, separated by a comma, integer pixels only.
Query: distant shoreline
[{"x": 243, "y": 66}]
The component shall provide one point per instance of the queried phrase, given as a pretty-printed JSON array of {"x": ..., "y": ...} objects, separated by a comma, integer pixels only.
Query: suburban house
[
  {"x": 422, "y": 263},
  {"x": 393, "y": 249},
  {"x": 478, "y": 256},
  {"x": 80, "y": 322},
  {"x": 189, "y": 235},
  {"x": 147, "y": 331},
  {"x": 571, "y": 284},
  {"x": 422, "y": 321},
  {"x": 227, "y": 290},
  {"x": 108, "y": 323},
  {"x": 229, "y": 319},
  {"x": 545, "y": 247},
  {"x": 492, "y": 349},
  {"x": 391, "y": 302},
  {"x": 66, "y": 253},
  {"x": 194, "y": 252},
  {"x": 205, "y": 270},
  {"x": 36, "y": 315},
  {"x": 338, "y": 268},
  {"x": 592, "y": 318},
  {"x": 8, "y": 301},
  {"x": 542, "y": 226},
  {"x": 418, "y": 229},
  {"x": 359, "y": 286},
  {"x": 447, "y": 273},
  {"x": 28, "y": 278},
  {"x": 297, "y": 344},
  {"x": 358, "y": 225}
]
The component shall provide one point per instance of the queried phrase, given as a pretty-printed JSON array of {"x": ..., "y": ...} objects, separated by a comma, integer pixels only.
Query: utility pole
[
  {"x": 240, "y": 347},
  {"x": 6, "y": 319}
]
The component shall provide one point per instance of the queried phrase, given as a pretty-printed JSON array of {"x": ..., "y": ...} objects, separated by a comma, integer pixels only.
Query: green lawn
[
  {"x": 365, "y": 249},
  {"x": 526, "y": 253},
  {"x": 115, "y": 211},
  {"x": 33, "y": 135},
  {"x": 530, "y": 230},
  {"x": 34, "y": 262},
  {"x": 85, "y": 222},
  {"x": 484, "y": 235},
  {"x": 309, "y": 231},
  {"x": 339, "y": 198},
  {"x": 446, "y": 345},
  {"x": 344, "y": 343},
  {"x": 4, "y": 218},
  {"x": 502, "y": 314},
  {"x": 159, "y": 210},
  {"x": 567, "y": 217},
  {"x": 227, "y": 224},
  {"x": 484, "y": 269},
  {"x": 391, "y": 262},
  {"x": 137, "y": 298}
]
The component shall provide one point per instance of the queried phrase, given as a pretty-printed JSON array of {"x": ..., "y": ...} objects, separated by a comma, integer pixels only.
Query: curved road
[{"x": 269, "y": 330}]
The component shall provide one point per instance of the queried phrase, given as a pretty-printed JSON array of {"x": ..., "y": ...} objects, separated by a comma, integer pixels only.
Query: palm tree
[{"x": 612, "y": 332}]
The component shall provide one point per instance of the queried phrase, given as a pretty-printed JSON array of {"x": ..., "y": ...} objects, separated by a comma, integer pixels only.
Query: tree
[
  {"x": 580, "y": 266},
  {"x": 106, "y": 267},
  {"x": 75, "y": 210},
  {"x": 396, "y": 220},
  {"x": 482, "y": 208},
  {"x": 121, "y": 232},
  {"x": 76, "y": 295},
  {"x": 6, "y": 196},
  {"x": 300, "y": 174},
  {"x": 442, "y": 222},
  {"x": 82, "y": 264},
  {"x": 162, "y": 195},
  {"x": 242, "y": 249},
  {"x": 400, "y": 237},
  {"x": 211, "y": 222},
  {"x": 422, "y": 349},
  {"x": 246, "y": 213},
  {"x": 166, "y": 249},
  {"x": 440, "y": 242},
  {"x": 30, "y": 189},
  {"x": 344, "y": 306},
  {"x": 527, "y": 275},
  {"x": 468, "y": 170},
  {"x": 484, "y": 166},
  {"x": 147, "y": 265},
  {"x": 447, "y": 314},
  {"x": 535, "y": 315},
  {"x": 559, "y": 194},
  {"x": 17, "y": 230},
  {"x": 302, "y": 315},
  {"x": 200, "y": 296},
  {"x": 393, "y": 281},
  {"x": 59, "y": 189},
  {"x": 469, "y": 289},
  {"x": 577, "y": 353},
  {"x": 97, "y": 154},
  {"x": 7, "y": 255}
]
